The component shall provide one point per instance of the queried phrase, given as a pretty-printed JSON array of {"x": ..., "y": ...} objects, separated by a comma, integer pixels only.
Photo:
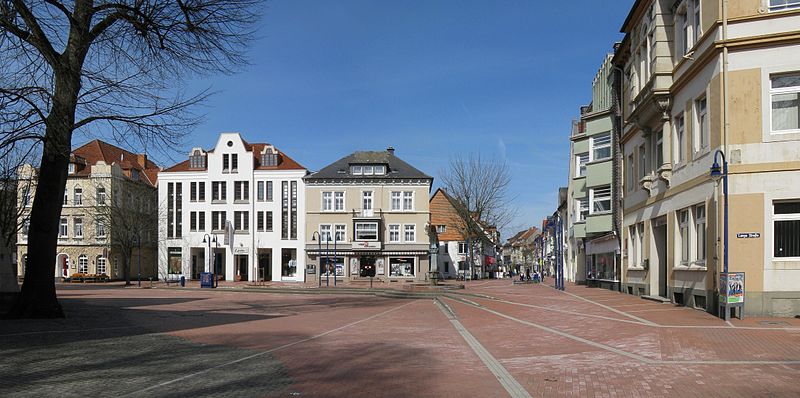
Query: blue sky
[{"x": 432, "y": 78}]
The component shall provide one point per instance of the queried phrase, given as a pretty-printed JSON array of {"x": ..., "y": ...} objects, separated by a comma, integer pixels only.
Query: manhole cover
[{"x": 773, "y": 323}]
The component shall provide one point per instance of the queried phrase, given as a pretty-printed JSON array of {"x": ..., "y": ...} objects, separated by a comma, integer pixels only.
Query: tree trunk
[
  {"x": 38, "y": 296},
  {"x": 126, "y": 268}
]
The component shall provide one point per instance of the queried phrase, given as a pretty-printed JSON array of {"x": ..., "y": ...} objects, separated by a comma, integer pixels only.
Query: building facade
[
  {"x": 237, "y": 210},
  {"x": 702, "y": 76},
  {"x": 520, "y": 253},
  {"x": 368, "y": 211},
  {"x": 110, "y": 193},
  {"x": 593, "y": 249}
]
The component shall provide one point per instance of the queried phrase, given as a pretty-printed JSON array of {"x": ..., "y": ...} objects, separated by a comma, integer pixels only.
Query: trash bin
[{"x": 183, "y": 281}]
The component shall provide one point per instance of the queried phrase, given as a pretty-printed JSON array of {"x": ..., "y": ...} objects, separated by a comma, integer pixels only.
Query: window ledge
[
  {"x": 638, "y": 268},
  {"x": 689, "y": 268},
  {"x": 596, "y": 161},
  {"x": 219, "y": 202},
  {"x": 600, "y": 213},
  {"x": 579, "y": 177},
  {"x": 241, "y": 201}
]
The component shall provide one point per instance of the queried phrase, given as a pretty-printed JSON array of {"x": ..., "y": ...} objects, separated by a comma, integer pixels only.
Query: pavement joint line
[
  {"x": 573, "y": 337},
  {"x": 612, "y": 309},
  {"x": 570, "y": 312},
  {"x": 511, "y": 385},
  {"x": 258, "y": 354}
]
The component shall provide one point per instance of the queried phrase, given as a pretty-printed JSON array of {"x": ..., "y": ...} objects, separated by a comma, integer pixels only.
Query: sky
[{"x": 433, "y": 78}]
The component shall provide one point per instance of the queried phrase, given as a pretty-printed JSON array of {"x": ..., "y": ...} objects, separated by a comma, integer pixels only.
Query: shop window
[
  {"x": 401, "y": 266},
  {"x": 332, "y": 266},
  {"x": 786, "y": 229},
  {"x": 174, "y": 260},
  {"x": 289, "y": 262}
]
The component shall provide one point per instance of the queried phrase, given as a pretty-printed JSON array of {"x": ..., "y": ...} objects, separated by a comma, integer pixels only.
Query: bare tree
[
  {"x": 14, "y": 202},
  {"x": 67, "y": 65},
  {"x": 479, "y": 191}
]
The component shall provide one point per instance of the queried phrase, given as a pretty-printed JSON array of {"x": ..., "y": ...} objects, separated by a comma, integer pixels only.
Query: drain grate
[{"x": 773, "y": 323}]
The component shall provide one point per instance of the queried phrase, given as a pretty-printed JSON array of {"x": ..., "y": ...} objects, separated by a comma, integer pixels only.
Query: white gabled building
[{"x": 256, "y": 190}]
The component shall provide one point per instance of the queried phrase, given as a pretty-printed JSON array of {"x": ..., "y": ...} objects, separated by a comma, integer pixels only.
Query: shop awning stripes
[{"x": 349, "y": 252}]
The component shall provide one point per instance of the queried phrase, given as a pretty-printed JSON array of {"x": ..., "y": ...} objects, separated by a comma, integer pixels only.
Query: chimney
[
  {"x": 142, "y": 159},
  {"x": 390, "y": 149}
]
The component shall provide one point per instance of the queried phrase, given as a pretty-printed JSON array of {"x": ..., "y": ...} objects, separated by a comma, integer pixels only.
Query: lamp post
[
  {"x": 316, "y": 237},
  {"x": 209, "y": 239},
  {"x": 718, "y": 173}
]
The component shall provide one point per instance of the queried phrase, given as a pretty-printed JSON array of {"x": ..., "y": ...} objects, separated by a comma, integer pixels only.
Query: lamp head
[
  {"x": 716, "y": 171},
  {"x": 204, "y": 239}
]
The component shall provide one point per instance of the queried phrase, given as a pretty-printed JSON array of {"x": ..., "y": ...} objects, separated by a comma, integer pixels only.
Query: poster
[
  {"x": 379, "y": 266},
  {"x": 731, "y": 288}
]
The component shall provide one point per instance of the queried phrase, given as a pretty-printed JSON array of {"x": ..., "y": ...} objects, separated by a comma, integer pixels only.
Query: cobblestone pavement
[{"x": 494, "y": 339}]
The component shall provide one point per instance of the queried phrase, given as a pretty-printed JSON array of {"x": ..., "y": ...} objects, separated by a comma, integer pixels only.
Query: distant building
[
  {"x": 519, "y": 252},
  {"x": 101, "y": 178},
  {"x": 247, "y": 199},
  {"x": 368, "y": 209}
]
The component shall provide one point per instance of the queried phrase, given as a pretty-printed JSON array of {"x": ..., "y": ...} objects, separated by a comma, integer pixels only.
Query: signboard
[
  {"x": 379, "y": 264},
  {"x": 365, "y": 245},
  {"x": 206, "y": 280},
  {"x": 241, "y": 250},
  {"x": 731, "y": 286},
  {"x": 748, "y": 235}
]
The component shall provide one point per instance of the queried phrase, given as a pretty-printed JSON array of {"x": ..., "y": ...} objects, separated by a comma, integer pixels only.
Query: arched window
[
  {"x": 83, "y": 264},
  {"x": 269, "y": 157},
  {"x": 101, "y": 265}
]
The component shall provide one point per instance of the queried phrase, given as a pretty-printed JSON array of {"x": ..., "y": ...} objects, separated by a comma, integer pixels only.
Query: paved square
[{"x": 491, "y": 340}]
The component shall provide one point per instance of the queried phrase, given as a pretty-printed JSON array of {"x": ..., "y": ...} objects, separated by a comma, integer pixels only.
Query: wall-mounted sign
[
  {"x": 748, "y": 235},
  {"x": 241, "y": 250},
  {"x": 731, "y": 288},
  {"x": 365, "y": 245}
]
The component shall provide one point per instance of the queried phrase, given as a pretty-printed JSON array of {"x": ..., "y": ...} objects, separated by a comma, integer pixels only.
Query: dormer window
[
  {"x": 197, "y": 160},
  {"x": 269, "y": 157},
  {"x": 368, "y": 169},
  {"x": 357, "y": 170},
  {"x": 71, "y": 169},
  {"x": 380, "y": 170}
]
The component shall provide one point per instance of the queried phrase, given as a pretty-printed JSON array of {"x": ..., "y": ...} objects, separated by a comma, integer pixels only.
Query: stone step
[{"x": 657, "y": 299}]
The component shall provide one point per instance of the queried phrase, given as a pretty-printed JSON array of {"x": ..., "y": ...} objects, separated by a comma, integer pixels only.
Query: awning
[
  {"x": 350, "y": 252},
  {"x": 490, "y": 260}
]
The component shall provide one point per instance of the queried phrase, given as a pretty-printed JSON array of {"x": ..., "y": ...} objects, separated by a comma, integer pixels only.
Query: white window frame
[
  {"x": 77, "y": 196},
  {"x": 408, "y": 200},
  {"x": 685, "y": 236},
  {"x": 83, "y": 264},
  {"x": 412, "y": 229},
  {"x": 678, "y": 151},
  {"x": 782, "y": 217},
  {"x": 394, "y": 233},
  {"x": 787, "y": 5},
  {"x": 101, "y": 265},
  {"x": 356, "y": 170},
  {"x": 100, "y": 229},
  {"x": 396, "y": 200},
  {"x": 380, "y": 170},
  {"x": 782, "y": 91},
  {"x": 631, "y": 169},
  {"x": 593, "y": 199},
  {"x": 642, "y": 161},
  {"x": 701, "y": 124},
  {"x": 340, "y": 232},
  {"x": 441, "y": 228},
  {"x": 338, "y": 201},
  {"x": 325, "y": 233},
  {"x": 462, "y": 248},
  {"x": 327, "y": 201},
  {"x": 581, "y": 160},
  {"x": 700, "y": 225},
  {"x": 63, "y": 228},
  {"x": 581, "y": 209},
  {"x": 77, "y": 225},
  {"x": 359, "y": 229},
  {"x": 367, "y": 197},
  {"x": 595, "y": 147}
]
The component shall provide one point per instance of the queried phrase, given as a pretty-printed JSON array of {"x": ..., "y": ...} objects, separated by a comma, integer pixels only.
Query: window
[
  {"x": 174, "y": 259},
  {"x": 78, "y": 196},
  {"x": 83, "y": 264},
  {"x": 193, "y": 221},
  {"x": 289, "y": 262},
  {"x": 78, "y": 227},
  {"x": 446, "y": 248},
  {"x": 462, "y": 247},
  {"x": 260, "y": 221},
  {"x": 341, "y": 232},
  {"x": 327, "y": 201},
  {"x": 225, "y": 162},
  {"x": 780, "y": 5},
  {"x": 410, "y": 233},
  {"x": 234, "y": 162},
  {"x": 101, "y": 265},
  {"x": 241, "y": 191},
  {"x": 401, "y": 267},
  {"x": 71, "y": 168},
  {"x": 66, "y": 197},
  {"x": 700, "y": 234},
  {"x": 100, "y": 229},
  {"x": 685, "y": 238},
  {"x": 218, "y": 191},
  {"x": 325, "y": 234},
  {"x": 601, "y": 199},
  {"x": 680, "y": 145},
  {"x": 269, "y": 221},
  {"x": 581, "y": 209},
  {"x": 356, "y": 170},
  {"x": 447, "y": 267},
  {"x": 689, "y": 25},
  {"x": 269, "y": 191},
  {"x": 394, "y": 233},
  {"x": 367, "y": 231},
  {"x": 629, "y": 181},
  {"x": 135, "y": 175},
  {"x": 201, "y": 221},
  {"x": 659, "y": 149},
  {"x": 178, "y": 209},
  {"x": 580, "y": 164},
  {"x": 633, "y": 260},
  {"x": 241, "y": 221},
  {"x": 218, "y": 220},
  {"x": 63, "y": 228},
  {"x": 786, "y": 225},
  {"x": 269, "y": 158},
  {"x": 26, "y": 227},
  {"x": 366, "y": 202},
  {"x": 197, "y": 160},
  {"x": 193, "y": 191},
  {"x": 395, "y": 200},
  {"x": 380, "y": 170},
  {"x": 785, "y": 102},
  {"x": 701, "y": 125},
  {"x": 101, "y": 195},
  {"x": 201, "y": 191},
  {"x": 408, "y": 201},
  {"x": 368, "y": 170},
  {"x": 642, "y": 161},
  {"x": 260, "y": 191},
  {"x": 338, "y": 201},
  {"x": 601, "y": 146},
  {"x": 440, "y": 229}
]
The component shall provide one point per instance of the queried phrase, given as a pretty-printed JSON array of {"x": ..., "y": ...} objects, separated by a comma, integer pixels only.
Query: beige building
[
  {"x": 105, "y": 184},
  {"x": 368, "y": 209},
  {"x": 701, "y": 76}
]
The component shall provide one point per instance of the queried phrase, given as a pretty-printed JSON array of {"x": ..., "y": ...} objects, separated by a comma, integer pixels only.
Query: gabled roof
[
  {"x": 97, "y": 150},
  {"x": 284, "y": 161},
  {"x": 396, "y": 167}
]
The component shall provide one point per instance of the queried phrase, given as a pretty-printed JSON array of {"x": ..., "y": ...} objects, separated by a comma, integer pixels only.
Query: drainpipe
[
  {"x": 616, "y": 209},
  {"x": 725, "y": 118}
]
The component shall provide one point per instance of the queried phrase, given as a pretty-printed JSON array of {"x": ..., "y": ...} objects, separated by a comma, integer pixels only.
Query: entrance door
[
  {"x": 660, "y": 237},
  {"x": 264, "y": 267},
  {"x": 219, "y": 265},
  {"x": 365, "y": 262},
  {"x": 241, "y": 267}
]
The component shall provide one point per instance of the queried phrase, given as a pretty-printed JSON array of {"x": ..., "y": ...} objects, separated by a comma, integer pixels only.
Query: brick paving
[{"x": 169, "y": 341}]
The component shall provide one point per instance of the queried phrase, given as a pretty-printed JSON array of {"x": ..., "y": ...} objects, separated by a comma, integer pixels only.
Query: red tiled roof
[
  {"x": 284, "y": 162},
  {"x": 96, "y": 150}
]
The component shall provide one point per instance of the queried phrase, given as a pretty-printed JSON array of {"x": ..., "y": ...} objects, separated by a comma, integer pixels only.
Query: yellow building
[{"x": 701, "y": 76}]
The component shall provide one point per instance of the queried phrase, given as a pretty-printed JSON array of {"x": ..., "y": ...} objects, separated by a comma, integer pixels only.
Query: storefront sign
[
  {"x": 731, "y": 288},
  {"x": 241, "y": 250},
  {"x": 365, "y": 245},
  {"x": 748, "y": 235}
]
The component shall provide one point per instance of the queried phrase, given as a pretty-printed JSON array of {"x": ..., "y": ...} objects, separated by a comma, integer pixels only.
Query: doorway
[
  {"x": 219, "y": 264},
  {"x": 265, "y": 266},
  {"x": 241, "y": 267},
  {"x": 367, "y": 262},
  {"x": 660, "y": 240}
]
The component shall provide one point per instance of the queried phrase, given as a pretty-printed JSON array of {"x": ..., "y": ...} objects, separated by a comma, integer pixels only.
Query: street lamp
[
  {"x": 211, "y": 238},
  {"x": 315, "y": 236},
  {"x": 718, "y": 173}
]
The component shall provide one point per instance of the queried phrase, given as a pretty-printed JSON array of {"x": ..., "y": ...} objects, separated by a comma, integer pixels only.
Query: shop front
[
  {"x": 351, "y": 265},
  {"x": 601, "y": 263}
]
